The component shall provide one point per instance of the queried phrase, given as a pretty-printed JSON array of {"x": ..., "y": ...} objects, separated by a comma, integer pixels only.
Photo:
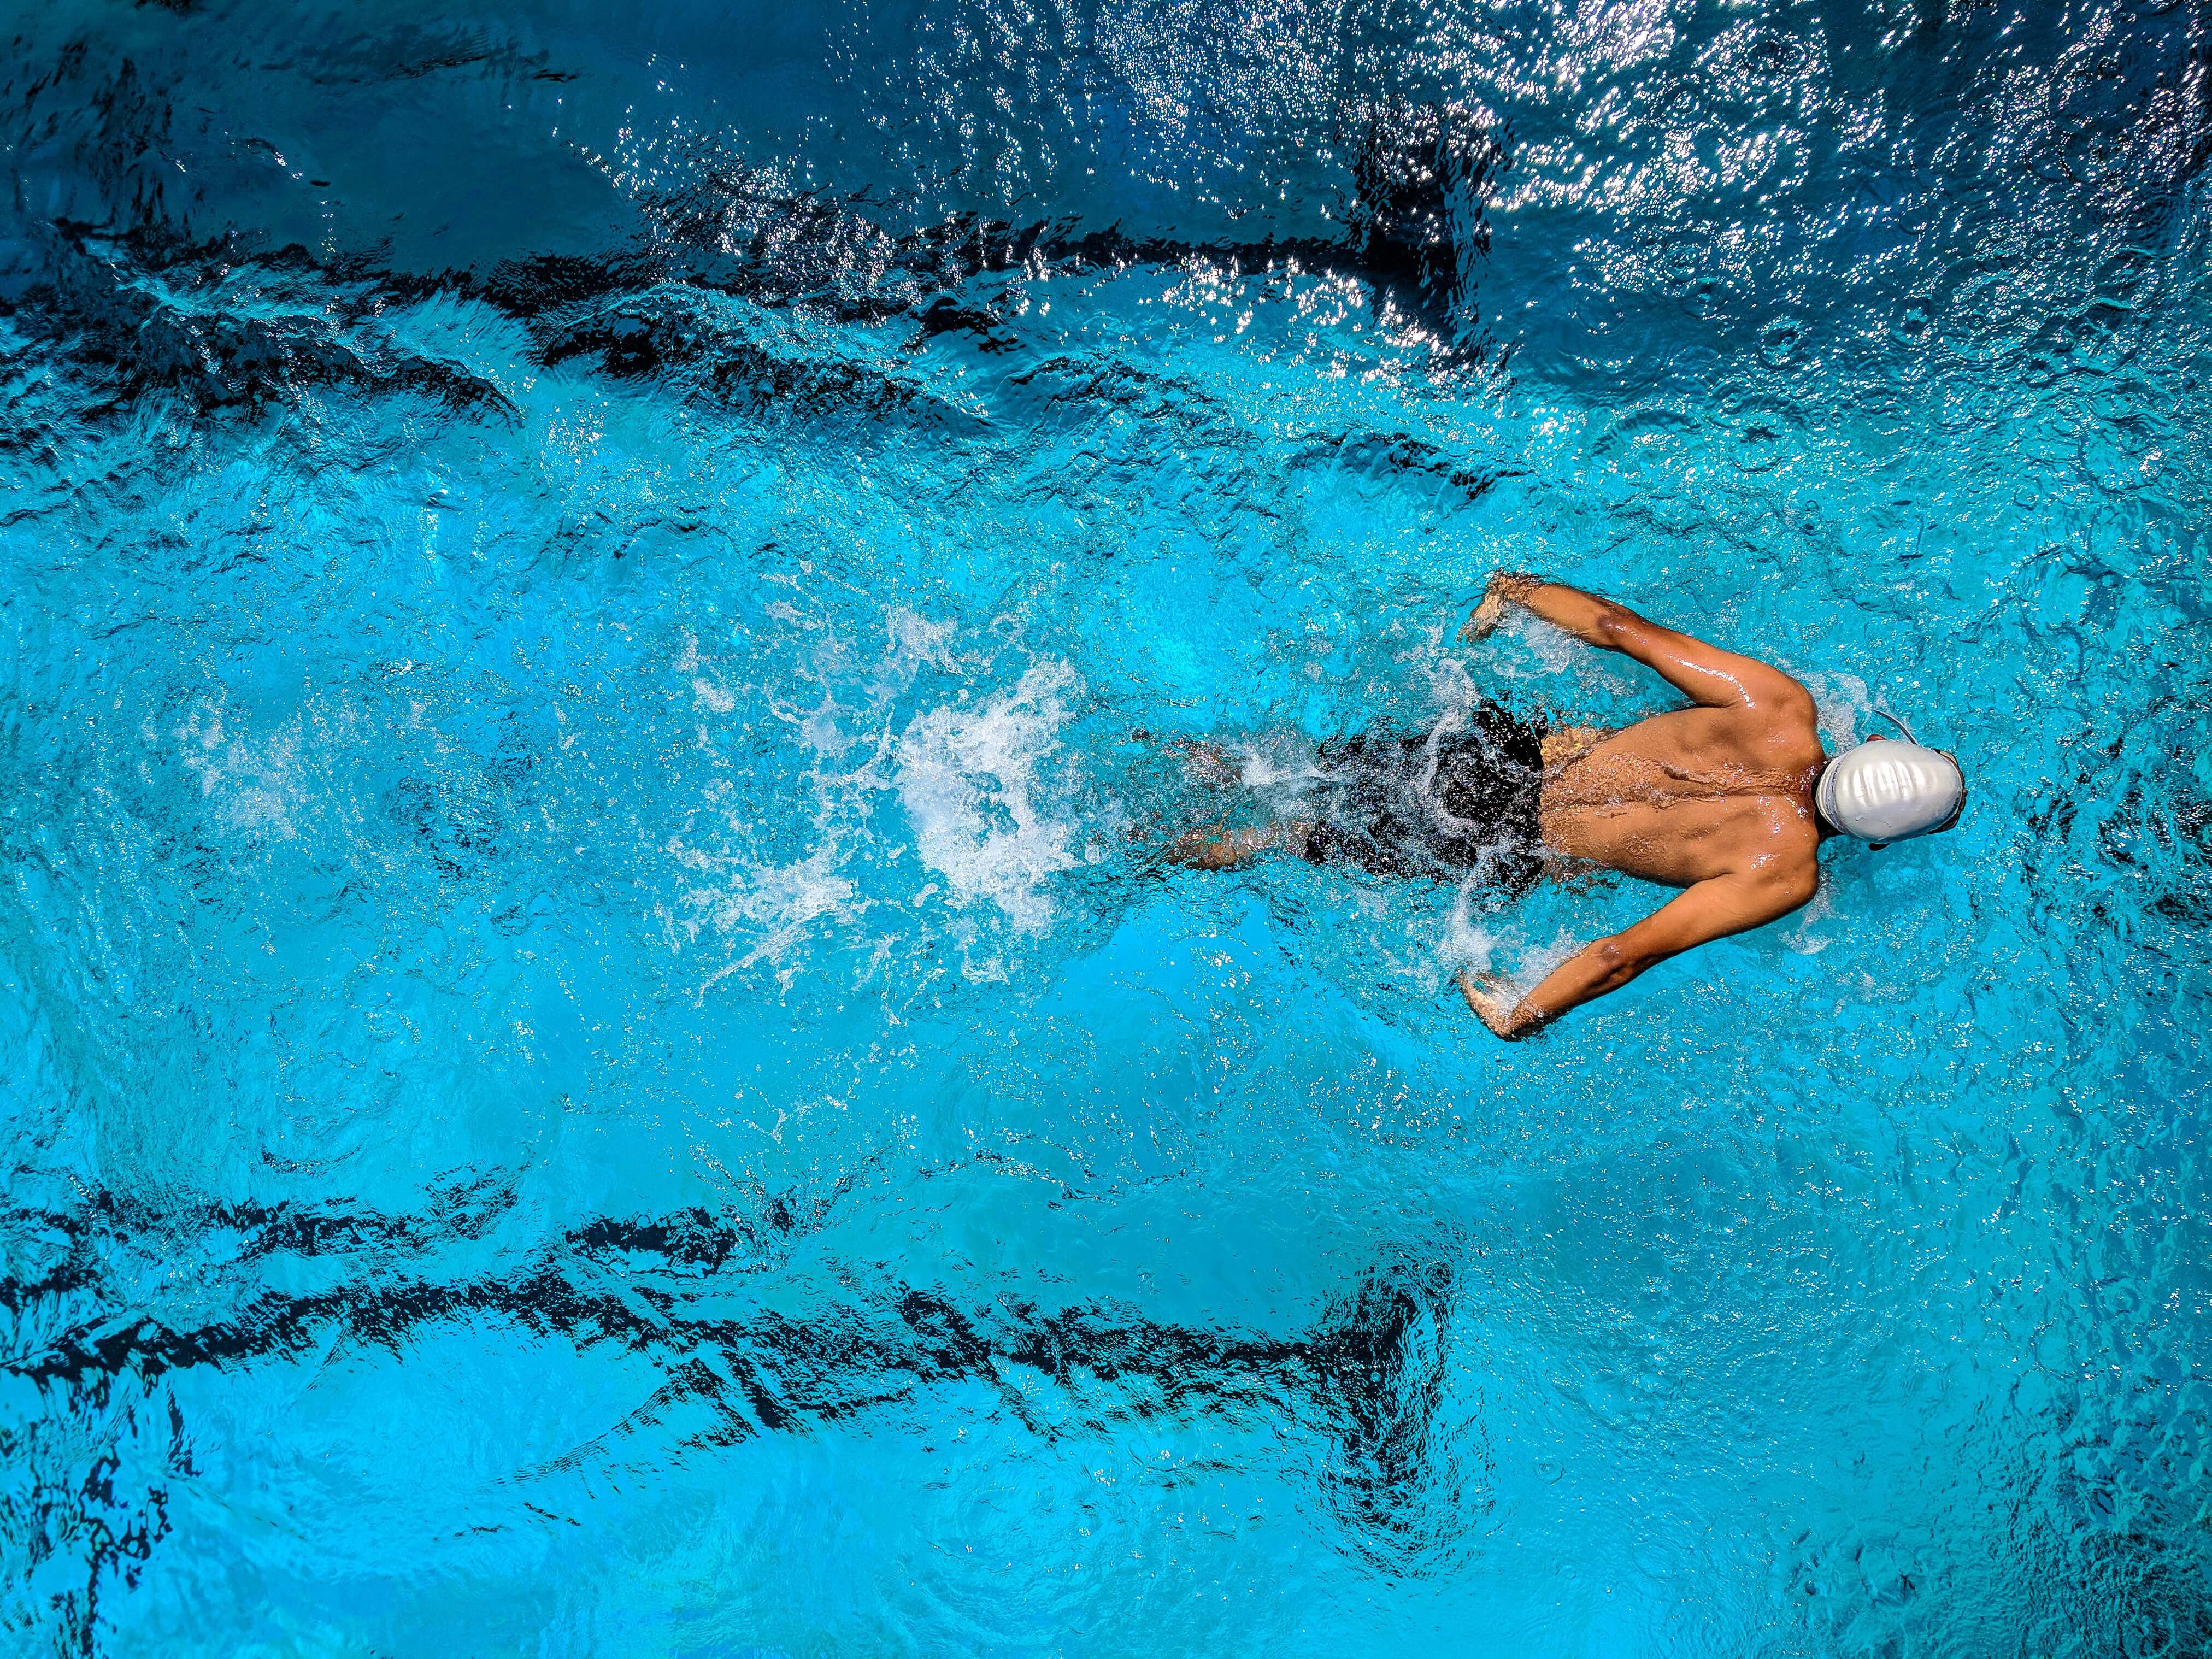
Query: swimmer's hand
[
  {"x": 1506, "y": 587},
  {"x": 1493, "y": 998}
]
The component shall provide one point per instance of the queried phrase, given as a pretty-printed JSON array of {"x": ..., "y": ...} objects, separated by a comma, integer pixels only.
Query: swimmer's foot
[
  {"x": 1484, "y": 622},
  {"x": 1494, "y": 1000},
  {"x": 1507, "y": 588}
]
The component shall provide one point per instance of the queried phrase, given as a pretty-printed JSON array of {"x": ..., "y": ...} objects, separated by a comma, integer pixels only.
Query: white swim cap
[{"x": 1889, "y": 791}]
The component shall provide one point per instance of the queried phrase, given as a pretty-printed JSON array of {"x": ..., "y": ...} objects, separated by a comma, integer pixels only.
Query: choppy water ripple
[{"x": 599, "y": 1055}]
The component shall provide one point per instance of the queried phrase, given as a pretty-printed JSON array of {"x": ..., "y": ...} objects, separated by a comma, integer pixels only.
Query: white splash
[
  {"x": 1452, "y": 687},
  {"x": 1840, "y": 700},
  {"x": 1550, "y": 645},
  {"x": 253, "y": 782},
  {"x": 912, "y": 638},
  {"x": 1465, "y": 943},
  {"x": 967, "y": 777},
  {"x": 1808, "y": 939},
  {"x": 1535, "y": 962},
  {"x": 773, "y": 906},
  {"x": 1270, "y": 764}
]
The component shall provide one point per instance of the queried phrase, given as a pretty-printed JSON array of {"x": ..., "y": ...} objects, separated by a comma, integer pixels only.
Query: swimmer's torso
[{"x": 1684, "y": 796}]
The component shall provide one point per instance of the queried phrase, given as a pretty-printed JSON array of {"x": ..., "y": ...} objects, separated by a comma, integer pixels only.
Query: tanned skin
[{"x": 1716, "y": 799}]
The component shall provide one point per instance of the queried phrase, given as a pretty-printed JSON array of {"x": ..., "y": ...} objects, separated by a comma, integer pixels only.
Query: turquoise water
[{"x": 596, "y": 1060}]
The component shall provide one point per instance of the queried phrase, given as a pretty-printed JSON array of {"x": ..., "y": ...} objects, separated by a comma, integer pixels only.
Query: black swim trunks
[{"x": 1440, "y": 806}]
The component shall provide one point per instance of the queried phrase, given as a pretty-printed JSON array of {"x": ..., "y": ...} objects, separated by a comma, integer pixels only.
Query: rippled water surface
[{"x": 596, "y": 1056}]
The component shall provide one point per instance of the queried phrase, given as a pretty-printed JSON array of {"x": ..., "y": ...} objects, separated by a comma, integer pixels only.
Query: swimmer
[{"x": 1728, "y": 799}]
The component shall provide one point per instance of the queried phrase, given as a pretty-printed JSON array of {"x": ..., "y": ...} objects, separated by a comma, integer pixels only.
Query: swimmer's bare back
[{"x": 1716, "y": 799}]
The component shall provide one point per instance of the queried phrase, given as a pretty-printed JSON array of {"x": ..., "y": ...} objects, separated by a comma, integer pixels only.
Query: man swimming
[{"x": 1728, "y": 799}]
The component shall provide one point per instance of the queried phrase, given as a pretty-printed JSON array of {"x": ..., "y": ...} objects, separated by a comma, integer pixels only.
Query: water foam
[
  {"x": 1465, "y": 943},
  {"x": 968, "y": 779},
  {"x": 252, "y": 780},
  {"x": 773, "y": 905},
  {"x": 1840, "y": 700}
]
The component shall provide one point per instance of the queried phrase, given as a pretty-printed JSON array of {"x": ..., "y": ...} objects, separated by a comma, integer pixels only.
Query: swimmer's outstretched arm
[
  {"x": 1710, "y": 911},
  {"x": 1704, "y": 674}
]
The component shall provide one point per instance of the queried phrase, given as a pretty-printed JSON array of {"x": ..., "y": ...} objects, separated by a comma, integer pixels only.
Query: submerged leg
[
  {"x": 1208, "y": 761},
  {"x": 1222, "y": 848}
]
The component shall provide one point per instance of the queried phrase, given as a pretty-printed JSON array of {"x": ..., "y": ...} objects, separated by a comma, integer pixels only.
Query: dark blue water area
[{"x": 597, "y": 1053}]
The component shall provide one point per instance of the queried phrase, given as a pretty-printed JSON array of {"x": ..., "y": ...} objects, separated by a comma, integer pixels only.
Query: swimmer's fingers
[{"x": 1492, "y": 998}]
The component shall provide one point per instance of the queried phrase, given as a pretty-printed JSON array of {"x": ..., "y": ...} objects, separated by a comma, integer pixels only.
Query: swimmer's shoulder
[
  {"x": 1782, "y": 733},
  {"x": 1783, "y": 862}
]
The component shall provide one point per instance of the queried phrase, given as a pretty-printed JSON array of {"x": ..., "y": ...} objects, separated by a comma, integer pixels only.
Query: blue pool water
[{"x": 593, "y": 1059}]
